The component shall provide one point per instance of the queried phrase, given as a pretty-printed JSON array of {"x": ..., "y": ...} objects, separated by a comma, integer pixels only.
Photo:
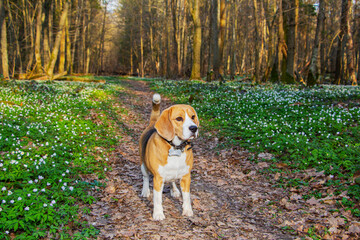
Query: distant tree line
[
  {"x": 269, "y": 40},
  {"x": 309, "y": 41},
  {"x": 42, "y": 39}
]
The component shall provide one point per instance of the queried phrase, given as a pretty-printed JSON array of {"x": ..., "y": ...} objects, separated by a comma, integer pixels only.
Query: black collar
[{"x": 181, "y": 146}]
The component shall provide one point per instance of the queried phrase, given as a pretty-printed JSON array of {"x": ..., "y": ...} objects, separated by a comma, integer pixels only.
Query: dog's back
[{"x": 150, "y": 130}]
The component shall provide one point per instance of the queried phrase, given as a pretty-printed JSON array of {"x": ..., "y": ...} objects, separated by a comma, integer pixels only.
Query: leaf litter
[{"x": 231, "y": 199}]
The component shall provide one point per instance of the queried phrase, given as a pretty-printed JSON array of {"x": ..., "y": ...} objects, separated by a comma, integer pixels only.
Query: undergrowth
[{"x": 50, "y": 134}]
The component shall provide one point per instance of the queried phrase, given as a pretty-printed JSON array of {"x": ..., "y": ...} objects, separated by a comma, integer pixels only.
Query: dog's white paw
[
  {"x": 145, "y": 193},
  {"x": 158, "y": 216},
  {"x": 187, "y": 212},
  {"x": 175, "y": 193}
]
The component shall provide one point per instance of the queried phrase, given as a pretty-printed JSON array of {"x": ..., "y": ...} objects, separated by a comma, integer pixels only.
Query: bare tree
[
  {"x": 4, "y": 50},
  {"x": 349, "y": 45},
  {"x": 195, "y": 14},
  {"x": 313, "y": 70},
  {"x": 257, "y": 42},
  {"x": 222, "y": 36},
  {"x": 55, "y": 51},
  {"x": 290, "y": 30}
]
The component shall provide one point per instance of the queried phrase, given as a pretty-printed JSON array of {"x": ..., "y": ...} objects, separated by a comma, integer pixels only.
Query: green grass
[
  {"x": 304, "y": 128},
  {"x": 50, "y": 134}
]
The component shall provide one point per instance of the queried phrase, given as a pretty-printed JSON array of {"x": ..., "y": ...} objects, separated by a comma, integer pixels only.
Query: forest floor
[{"x": 231, "y": 197}]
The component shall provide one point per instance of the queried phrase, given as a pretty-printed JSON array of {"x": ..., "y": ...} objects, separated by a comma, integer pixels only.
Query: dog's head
[{"x": 178, "y": 120}]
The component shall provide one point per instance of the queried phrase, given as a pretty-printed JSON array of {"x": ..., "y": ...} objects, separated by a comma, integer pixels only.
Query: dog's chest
[{"x": 175, "y": 168}]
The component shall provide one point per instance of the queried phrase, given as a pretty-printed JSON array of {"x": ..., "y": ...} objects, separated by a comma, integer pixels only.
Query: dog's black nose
[{"x": 193, "y": 128}]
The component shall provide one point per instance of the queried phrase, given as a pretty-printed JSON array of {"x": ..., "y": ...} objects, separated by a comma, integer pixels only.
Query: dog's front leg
[
  {"x": 158, "y": 213},
  {"x": 185, "y": 189}
]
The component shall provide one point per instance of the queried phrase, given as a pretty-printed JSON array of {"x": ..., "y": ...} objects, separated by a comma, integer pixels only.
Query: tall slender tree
[
  {"x": 55, "y": 51},
  {"x": 195, "y": 14},
  {"x": 215, "y": 38},
  {"x": 222, "y": 30},
  {"x": 313, "y": 70},
  {"x": 349, "y": 45},
  {"x": 4, "y": 47},
  {"x": 257, "y": 42},
  {"x": 290, "y": 29}
]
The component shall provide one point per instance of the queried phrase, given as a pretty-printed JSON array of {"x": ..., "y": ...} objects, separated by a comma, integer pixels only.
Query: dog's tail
[{"x": 155, "y": 112}]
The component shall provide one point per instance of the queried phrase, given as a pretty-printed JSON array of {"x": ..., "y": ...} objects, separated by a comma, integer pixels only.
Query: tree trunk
[
  {"x": 194, "y": 10},
  {"x": 184, "y": 38},
  {"x": 62, "y": 50},
  {"x": 313, "y": 71},
  {"x": 30, "y": 48},
  {"x": 270, "y": 16},
  {"x": 167, "y": 40},
  {"x": 233, "y": 42},
  {"x": 210, "y": 44},
  {"x": 141, "y": 42},
  {"x": 16, "y": 31},
  {"x": 257, "y": 43},
  {"x": 131, "y": 52},
  {"x": 323, "y": 57},
  {"x": 78, "y": 7},
  {"x": 82, "y": 50},
  {"x": 87, "y": 41},
  {"x": 68, "y": 47},
  {"x": 282, "y": 47},
  {"x": 4, "y": 52},
  {"x": 55, "y": 51},
  {"x": 350, "y": 45},
  {"x": 290, "y": 26},
  {"x": 215, "y": 39},
  {"x": 46, "y": 40},
  {"x": 339, "y": 51},
  {"x": 38, "y": 37},
  {"x": 222, "y": 35},
  {"x": 175, "y": 48},
  {"x": 151, "y": 38},
  {"x": 50, "y": 26},
  {"x": 102, "y": 41}
]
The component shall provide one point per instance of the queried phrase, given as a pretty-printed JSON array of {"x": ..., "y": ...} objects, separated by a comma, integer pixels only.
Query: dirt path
[{"x": 230, "y": 199}]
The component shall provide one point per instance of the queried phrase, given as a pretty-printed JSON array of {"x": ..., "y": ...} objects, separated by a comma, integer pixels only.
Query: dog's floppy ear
[{"x": 164, "y": 126}]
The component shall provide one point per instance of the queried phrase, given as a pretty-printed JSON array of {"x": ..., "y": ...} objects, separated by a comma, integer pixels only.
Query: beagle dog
[{"x": 165, "y": 152}]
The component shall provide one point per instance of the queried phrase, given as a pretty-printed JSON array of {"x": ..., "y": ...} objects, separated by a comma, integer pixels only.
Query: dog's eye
[
  {"x": 180, "y": 119},
  {"x": 193, "y": 117}
]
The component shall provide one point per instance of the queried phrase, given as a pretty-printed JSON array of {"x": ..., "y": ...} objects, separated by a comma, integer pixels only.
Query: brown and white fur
[{"x": 176, "y": 124}]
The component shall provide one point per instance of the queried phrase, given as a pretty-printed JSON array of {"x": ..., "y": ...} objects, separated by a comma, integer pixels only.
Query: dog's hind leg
[
  {"x": 146, "y": 189},
  {"x": 174, "y": 191}
]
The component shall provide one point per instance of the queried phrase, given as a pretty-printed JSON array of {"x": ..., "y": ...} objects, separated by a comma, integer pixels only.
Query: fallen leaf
[
  {"x": 281, "y": 165},
  {"x": 277, "y": 176},
  {"x": 312, "y": 201},
  {"x": 220, "y": 224},
  {"x": 196, "y": 204},
  {"x": 284, "y": 202},
  {"x": 335, "y": 222},
  {"x": 295, "y": 196},
  {"x": 255, "y": 196},
  {"x": 110, "y": 188},
  {"x": 263, "y": 165},
  {"x": 354, "y": 228},
  {"x": 222, "y": 182}
]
